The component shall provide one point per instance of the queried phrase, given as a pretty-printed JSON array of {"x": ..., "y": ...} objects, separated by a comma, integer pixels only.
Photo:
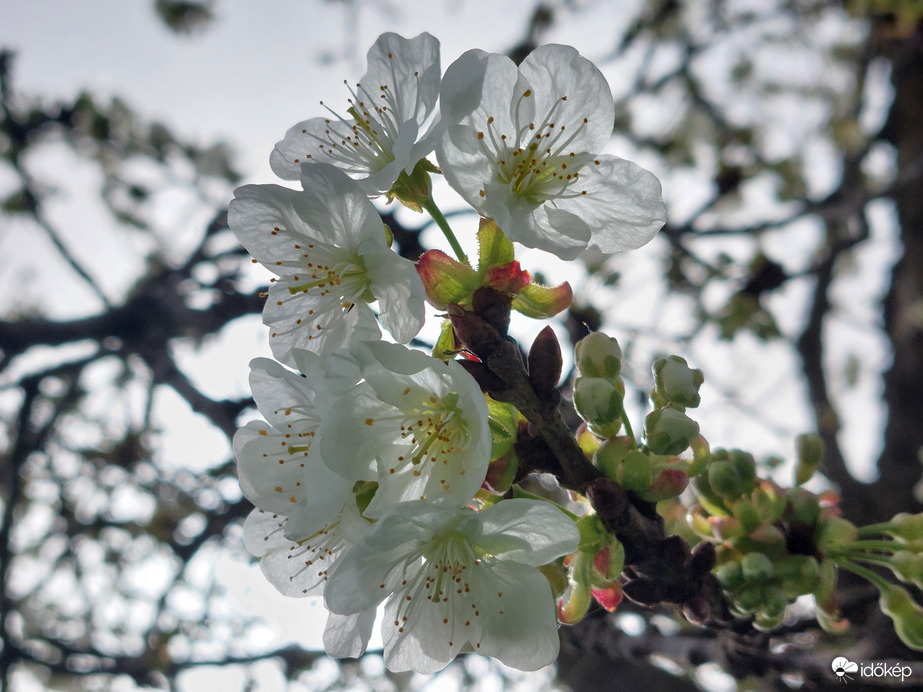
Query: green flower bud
[
  {"x": 675, "y": 382},
  {"x": 749, "y": 598},
  {"x": 730, "y": 576},
  {"x": 756, "y": 567},
  {"x": 598, "y": 401},
  {"x": 727, "y": 528},
  {"x": 669, "y": 431},
  {"x": 744, "y": 510},
  {"x": 908, "y": 567},
  {"x": 733, "y": 476},
  {"x": 768, "y": 501},
  {"x": 834, "y": 532},
  {"x": 803, "y": 507},
  {"x": 767, "y": 623},
  {"x": 635, "y": 472},
  {"x": 798, "y": 574},
  {"x": 608, "y": 456},
  {"x": 810, "y": 450},
  {"x": 825, "y": 591},
  {"x": 598, "y": 355},
  {"x": 896, "y": 603},
  {"x": 774, "y": 602},
  {"x": 668, "y": 483},
  {"x": 907, "y": 527}
]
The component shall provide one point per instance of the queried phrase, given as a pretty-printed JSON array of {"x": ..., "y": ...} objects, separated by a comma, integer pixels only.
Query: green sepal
[
  {"x": 446, "y": 280},
  {"x": 445, "y": 347},
  {"x": 494, "y": 248},
  {"x": 542, "y": 302}
]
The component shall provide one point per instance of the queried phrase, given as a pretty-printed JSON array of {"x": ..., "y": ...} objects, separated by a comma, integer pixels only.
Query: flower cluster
[
  {"x": 371, "y": 467},
  {"x": 386, "y": 477}
]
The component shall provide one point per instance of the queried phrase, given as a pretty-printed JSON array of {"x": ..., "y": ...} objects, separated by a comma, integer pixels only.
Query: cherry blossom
[
  {"x": 458, "y": 580},
  {"x": 419, "y": 428},
  {"x": 524, "y": 149},
  {"x": 328, "y": 247},
  {"x": 390, "y": 109}
]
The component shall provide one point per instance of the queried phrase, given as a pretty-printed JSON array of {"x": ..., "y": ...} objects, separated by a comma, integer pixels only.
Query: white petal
[
  {"x": 337, "y": 206},
  {"x": 305, "y": 142},
  {"x": 519, "y": 626},
  {"x": 410, "y": 68},
  {"x": 623, "y": 205},
  {"x": 264, "y": 219},
  {"x": 372, "y": 569},
  {"x": 532, "y": 532},
  {"x": 294, "y": 569},
  {"x": 397, "y": 285},
  {"x": 347, "y": 636},
  {"x": 556, "y": 71}
]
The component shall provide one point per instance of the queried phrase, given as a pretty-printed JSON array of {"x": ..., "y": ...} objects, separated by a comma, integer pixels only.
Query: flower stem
[
  {"x": 865, "y": 573},
  {"x": 860, "y": 546},
  {"x": 631, "y": 434},
  {"x": 875, "y": 529},
  {"x": 433, "y": 209}
]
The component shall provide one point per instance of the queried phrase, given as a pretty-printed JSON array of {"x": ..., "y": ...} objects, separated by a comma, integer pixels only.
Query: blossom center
[
  {"x": 448, "y": 581},
  {"x": 365, "y": 144},
  {"x": 538, "y": 163}
]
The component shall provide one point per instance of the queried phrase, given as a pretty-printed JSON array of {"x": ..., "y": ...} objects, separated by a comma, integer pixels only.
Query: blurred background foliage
[{"x": 787, "y": 135}]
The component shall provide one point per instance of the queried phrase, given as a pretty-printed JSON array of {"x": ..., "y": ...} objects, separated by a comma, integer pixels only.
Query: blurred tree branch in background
[{"x": 107, "y": 548}]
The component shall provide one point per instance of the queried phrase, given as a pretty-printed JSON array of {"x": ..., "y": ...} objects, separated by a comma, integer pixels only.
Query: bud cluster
[{"x": 654, "y": 469}]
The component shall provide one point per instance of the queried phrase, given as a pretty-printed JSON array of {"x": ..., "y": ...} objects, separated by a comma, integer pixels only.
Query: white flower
[
  {"x": 457, "y": 579},
  {"x": 419, "y": 429},
  {"x": 524, "y": 146},
  {"x": 328, "y": 247},
  {"x": 278, "y": 462},
  {"x": 389, "y": 108}
]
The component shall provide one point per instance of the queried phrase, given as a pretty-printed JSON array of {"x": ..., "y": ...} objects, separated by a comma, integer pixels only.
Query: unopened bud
[
  {"x": 907, "y": 566},
  {"x": 576, "y": 600},
  {"x": 675, "y": 382},
  {"x": 545, "y": 362},
  {"x": 906, "y": 527},
  {"x": 732, "y": 474},
  {"x": 810, "y": 452},
  {"x": 598, "y": 355},
  {"x": 730, "y": 575},
  {"x": 635, "y": 472},
  {"x": 598, "y": 401},
  {"x": 608, "y": 456},
  {"x": 756, "y": 567},
  {"x": 834, "y": 532},
  {"x": 668, "y": 483},
  {"x": 669, "y": 431},
  {"x": 897, "y": 603}
]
